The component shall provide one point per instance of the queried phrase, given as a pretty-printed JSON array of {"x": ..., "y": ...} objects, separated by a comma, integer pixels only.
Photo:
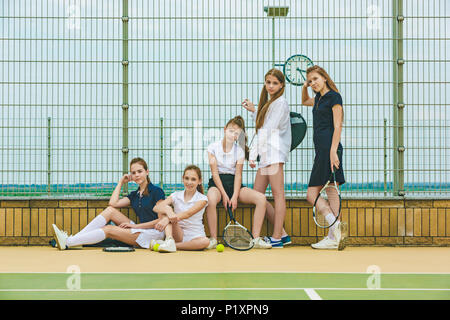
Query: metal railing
[{"x": 87, "y": 86}]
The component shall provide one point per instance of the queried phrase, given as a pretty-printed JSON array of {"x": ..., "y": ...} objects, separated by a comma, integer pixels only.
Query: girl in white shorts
[{"x": 182, "y": 215}]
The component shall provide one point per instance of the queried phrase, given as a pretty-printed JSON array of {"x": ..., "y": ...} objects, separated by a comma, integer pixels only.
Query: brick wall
[{"x": 371, "y": 222}]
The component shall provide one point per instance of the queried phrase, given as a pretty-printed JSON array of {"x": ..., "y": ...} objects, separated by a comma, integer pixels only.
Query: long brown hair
[
  {"x": 263, "y": 105},
  {"x": 143, "y": 164},
  {"x": 199, "y": 174},
  {"x": 242, "y": 140},
  {"x": 329, "y": 82}
]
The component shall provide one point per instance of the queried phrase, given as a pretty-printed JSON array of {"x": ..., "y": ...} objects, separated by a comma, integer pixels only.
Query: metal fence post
[
  {"x": 49, "y": 156},
  {"x": 398, "y": 57},
  {"x": 125, "y": 90}
]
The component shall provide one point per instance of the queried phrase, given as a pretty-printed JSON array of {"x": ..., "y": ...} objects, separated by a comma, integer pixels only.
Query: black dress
[{"x": 323, "y": 127}]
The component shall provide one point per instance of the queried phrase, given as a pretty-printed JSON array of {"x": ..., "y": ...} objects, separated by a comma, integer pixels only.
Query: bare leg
[
  {"x": 322, "y": 205},
  {"x": 121, "y": 234},
  {"x": 194, "y": 244},
  {"x": 261, "y": 183},
  {"x": 249, "y": 196},
  {"x": 214, "y": 197},
  {"x": 277, "y": 183},
  {"x": 114, "y": 215}
]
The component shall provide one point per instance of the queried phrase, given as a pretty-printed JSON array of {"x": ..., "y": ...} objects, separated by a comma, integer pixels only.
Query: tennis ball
[
  {"x": 219, "y": 248},
  {"x": 156, "y": 247}
]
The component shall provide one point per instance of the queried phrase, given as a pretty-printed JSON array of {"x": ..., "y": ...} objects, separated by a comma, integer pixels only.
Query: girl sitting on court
[
  {"x": 273, "y": 133},
  {"x": 142, "y": 201},
  {"x": 182, "y": 215},
  {"x": 226, "y": 160}
]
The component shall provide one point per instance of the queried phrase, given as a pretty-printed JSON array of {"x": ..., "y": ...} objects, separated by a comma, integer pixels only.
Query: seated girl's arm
[
  {"x": 114, "y": 201},
  {"x": 237, "y": 183},
  {"x": 164, "y": 207},
  {"x": 199, "y": 205}
]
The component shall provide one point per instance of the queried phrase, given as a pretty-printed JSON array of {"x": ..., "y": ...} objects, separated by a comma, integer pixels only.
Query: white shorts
[
  {"x": 189, "y": 234},
  {"x": 147, "y": 235}
]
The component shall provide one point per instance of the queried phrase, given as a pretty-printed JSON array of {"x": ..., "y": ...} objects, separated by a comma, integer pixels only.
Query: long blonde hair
[{"x": 264, "y": 103}]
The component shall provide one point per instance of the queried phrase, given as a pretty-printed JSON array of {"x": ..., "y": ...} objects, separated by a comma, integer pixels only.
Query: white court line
[
  {"x": 218, "y": 289},
  {"x": 312, "y": 294},
  {"x": 221, "y": 272}
]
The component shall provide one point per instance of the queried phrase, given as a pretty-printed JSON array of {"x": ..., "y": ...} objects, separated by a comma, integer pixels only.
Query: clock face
[{"x": 295, "y": 69}]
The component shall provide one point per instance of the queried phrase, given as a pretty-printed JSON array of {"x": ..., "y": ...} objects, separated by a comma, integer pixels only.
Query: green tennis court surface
[{"x": 224, "y": 286}]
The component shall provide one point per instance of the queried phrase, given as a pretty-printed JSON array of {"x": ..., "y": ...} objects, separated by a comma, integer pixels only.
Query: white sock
[
  {"x": 90, "y": 237},
  {"x": 330, "y": 219},
  {"x": 330, "y": 234},
  {"x": 273, "y": 239},
  {"x": 96, "y": 223}
]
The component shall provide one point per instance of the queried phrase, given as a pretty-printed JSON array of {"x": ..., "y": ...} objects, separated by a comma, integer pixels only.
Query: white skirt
[{"x": 147, "y": 235}]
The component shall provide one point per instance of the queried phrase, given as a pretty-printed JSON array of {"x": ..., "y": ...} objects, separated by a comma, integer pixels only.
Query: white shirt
[
  {"x": 194, "y": 222},
  {"x": 274, "y": 137},
  {"x": 226, "y": 162}
]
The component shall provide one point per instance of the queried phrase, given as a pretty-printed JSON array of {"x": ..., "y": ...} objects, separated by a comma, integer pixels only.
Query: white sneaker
[
  {"x": 259, "y": 243},
  {"x": 325, "y": 243},
  {"x": 61, "y": 237},
  {"x": 153, "y": 242},
  {"x": 168, "y": 246},
  {"x": 212, "y": 244}
]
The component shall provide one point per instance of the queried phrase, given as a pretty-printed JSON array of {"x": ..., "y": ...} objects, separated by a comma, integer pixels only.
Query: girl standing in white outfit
[
  {"x": 182, "y": 215},
  {"x": 273, "y": 132}
]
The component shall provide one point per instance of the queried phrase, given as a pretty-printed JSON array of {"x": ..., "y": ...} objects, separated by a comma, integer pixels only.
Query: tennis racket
[
  {"x": 236, "y": 236},
  {"x": 298, "y": 129},
  {"x": 330, "y": 189},
  {"x": 118, "y": 249}
]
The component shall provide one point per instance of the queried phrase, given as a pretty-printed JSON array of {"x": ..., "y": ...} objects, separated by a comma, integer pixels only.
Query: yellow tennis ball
[
  {"x": 220, "y": 248},
  {"x": 156, "y": 247}
]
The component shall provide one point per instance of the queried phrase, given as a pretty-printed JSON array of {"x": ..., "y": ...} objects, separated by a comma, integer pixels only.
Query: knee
[
  {"x": 204, "y": 243},
  {"x": 109, "y": 231},
  {"x": 260, "y": 200},
  {"x": 109, "y": 210},
  {"x": 310, "y": 197}
]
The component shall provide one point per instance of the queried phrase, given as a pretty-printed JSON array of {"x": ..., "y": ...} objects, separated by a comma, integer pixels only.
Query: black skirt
[
  {"x": 227, "y": 182},
  {"x": 321, "y": 170}
]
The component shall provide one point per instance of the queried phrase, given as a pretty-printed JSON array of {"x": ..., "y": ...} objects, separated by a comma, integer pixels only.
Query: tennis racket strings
[
  {"x": 329, "y": 199},
  {"x": 237, "y": 237}
]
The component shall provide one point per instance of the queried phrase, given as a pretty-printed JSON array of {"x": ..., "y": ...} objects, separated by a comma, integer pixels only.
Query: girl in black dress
[{"x": 328, "y": 116}]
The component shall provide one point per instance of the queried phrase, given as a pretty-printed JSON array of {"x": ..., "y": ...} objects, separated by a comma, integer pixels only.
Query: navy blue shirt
[
  {"x": 323, "y": 123},
  {"x": 143, "y": 206}
]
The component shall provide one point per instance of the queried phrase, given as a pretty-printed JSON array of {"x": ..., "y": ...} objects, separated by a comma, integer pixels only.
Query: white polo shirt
[
  {"x": 226, "y": 161},
  {"x": 273, "y": 141},
  {"x": 192, "y": 226}
]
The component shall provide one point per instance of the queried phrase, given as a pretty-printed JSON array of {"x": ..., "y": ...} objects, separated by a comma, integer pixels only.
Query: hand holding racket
[
  {"x": 334, "y": 159},
  {"x": 247, "y": 104},
  {"x": 236, "y": 236}
]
